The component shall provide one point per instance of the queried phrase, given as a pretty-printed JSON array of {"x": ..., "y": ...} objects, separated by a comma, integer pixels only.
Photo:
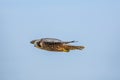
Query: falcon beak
[{"x": 32, "y": 42}]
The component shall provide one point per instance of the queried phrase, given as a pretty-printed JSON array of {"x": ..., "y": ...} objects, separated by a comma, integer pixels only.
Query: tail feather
[
  {"x": 80, "y": 47},
  {"x": 70, "y": 47}
]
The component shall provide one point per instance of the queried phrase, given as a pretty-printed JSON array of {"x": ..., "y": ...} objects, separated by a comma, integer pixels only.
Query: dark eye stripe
[{"x": 38, "y": 43}]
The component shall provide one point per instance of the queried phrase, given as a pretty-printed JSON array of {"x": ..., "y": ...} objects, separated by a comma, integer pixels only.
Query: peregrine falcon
[{"x": 52, "y": 44}]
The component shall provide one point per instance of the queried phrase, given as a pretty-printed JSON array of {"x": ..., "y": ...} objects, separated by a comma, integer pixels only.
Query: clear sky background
[{"x": 94, "y": 23}]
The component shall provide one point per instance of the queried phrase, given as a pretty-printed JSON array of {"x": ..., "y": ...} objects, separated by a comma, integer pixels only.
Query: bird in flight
[{"x": 52, "y": 44}]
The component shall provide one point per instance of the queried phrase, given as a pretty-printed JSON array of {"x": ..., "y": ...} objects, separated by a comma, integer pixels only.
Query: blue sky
[{"x": 95, "y": 24}]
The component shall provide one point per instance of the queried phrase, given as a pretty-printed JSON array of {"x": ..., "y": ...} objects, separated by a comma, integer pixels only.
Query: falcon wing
[
  {"x": 56, "y": 41},
  {"x": 67, "y": 42},
  {"x": 51, "y": 40}
]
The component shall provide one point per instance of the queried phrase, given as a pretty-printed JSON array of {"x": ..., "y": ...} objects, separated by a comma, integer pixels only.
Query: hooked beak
[{"x": 32, "y": 42}]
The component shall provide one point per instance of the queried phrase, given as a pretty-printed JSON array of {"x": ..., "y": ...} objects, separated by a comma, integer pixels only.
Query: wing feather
[{"x": 56, "y": 41}]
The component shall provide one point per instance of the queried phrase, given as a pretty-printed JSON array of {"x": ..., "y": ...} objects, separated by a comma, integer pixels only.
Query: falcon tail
[{"x": 70, "y": 47}]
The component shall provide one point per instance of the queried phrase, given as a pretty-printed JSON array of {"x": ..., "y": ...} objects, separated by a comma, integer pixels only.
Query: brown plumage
[{"x": 52, "y": 44}]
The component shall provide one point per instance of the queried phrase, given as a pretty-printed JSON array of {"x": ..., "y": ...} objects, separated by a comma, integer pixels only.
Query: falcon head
[{"x": 36, "y": 43}]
